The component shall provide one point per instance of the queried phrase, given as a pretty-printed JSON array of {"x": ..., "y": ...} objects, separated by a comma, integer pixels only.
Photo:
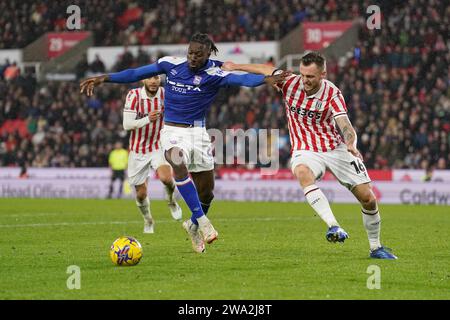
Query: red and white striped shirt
[
  {"x": 145, "y": 139},
  {"x": 311, "y": 118}
]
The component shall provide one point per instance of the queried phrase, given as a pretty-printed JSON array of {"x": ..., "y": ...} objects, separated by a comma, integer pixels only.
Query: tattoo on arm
[
  {"x": 346, "y": 128},
  {"x": 347, "y": 133}
]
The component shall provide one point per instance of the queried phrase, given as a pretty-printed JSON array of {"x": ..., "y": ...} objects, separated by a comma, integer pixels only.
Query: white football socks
[
  {"x": 203, "y": 220},
  {"x": 144, "y": 207},
  {"x": 320, "y": 204},
  {"x": 372, "y": 223}
]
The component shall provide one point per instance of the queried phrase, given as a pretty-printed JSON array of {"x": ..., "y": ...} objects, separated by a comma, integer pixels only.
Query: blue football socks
[{"x": 189, "y": 193}]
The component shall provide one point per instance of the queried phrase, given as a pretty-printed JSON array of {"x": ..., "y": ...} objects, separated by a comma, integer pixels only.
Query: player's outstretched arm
[
  {"x": 125, "y": 76},
  {"x": 251, "y": 68},
  {"x": 254, "y": 68},
  {"x": 349, "y": 134},
  {"x": 254, "y": 80}
]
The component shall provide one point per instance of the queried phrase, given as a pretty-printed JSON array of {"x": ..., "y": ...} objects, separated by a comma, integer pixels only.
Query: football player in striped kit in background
[
  {"x": 315, "y": 110},
  {"x": 142, "y": 115}
]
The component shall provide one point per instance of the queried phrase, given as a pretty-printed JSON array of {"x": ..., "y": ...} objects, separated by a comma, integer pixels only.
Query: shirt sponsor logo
[
  {"x": 181, "y": 87},
  {"x": 306, "y": 113}
]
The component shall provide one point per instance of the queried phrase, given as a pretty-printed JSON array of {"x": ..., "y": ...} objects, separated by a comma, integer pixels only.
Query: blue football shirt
[{"x": 188, "y": 94}]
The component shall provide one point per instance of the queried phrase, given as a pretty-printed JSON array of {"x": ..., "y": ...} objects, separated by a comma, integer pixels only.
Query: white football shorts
[
  {"x": 139, "y": 165},
  {"x": 195, "y": 143},
  {"x": 348, "y": 169}
]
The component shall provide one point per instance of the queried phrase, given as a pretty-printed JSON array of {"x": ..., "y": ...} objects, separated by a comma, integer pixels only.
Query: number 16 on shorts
[{"x": 358, "y": 165}]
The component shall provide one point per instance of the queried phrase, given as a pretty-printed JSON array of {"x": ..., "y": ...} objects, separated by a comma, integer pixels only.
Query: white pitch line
[
  {"x": 41, "y": 214},
  {"x": 44, "y": 214},
  {"x": 69, "y": 224},
  {"x": 63, "y": 224}
]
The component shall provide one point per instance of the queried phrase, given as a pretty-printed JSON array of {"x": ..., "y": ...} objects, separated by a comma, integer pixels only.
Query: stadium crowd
[
  {"x": 396, "y": 86},
  {"x": 134, "y": 22}
]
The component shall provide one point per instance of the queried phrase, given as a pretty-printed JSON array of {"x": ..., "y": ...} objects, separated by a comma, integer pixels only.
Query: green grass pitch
[{"x": 264, "y": 251}]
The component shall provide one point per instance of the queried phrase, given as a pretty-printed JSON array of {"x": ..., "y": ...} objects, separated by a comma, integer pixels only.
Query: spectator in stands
[
  {"x": 116, "y": 23},
  {"x": 125, "y": 61},
  {"x": 11, "y": 72},
  {"x": 3, "y": 67},
  {"x": 82, "y": 67},
  {"x": 97, "y": 66},
  {"x": 404, "y": 110},
  {"x": 23, "y": 172},
  {"x": 143, "y": 58}
]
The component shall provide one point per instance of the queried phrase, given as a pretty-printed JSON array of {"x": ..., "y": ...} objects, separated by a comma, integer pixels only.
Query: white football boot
[
  {"x": 207, "y": 230},
  {"x": 175, "y": 210},
  {"x": 192, "y": 230},
  {"x": 149, "y": 226}
]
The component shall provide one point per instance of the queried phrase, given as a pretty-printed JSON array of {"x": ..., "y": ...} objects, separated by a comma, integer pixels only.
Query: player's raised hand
[
  {"x": 277, "y": 78},
  {"x": 154, "y": 115},
  {"x": 87, "y": 85}
]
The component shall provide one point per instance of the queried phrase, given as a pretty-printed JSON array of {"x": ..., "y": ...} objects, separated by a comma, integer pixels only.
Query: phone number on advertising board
[{"x": 277, "y": 194}]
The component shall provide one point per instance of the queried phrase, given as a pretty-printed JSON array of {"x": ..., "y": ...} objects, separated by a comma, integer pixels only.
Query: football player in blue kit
[{"x": 192, "y": 83}]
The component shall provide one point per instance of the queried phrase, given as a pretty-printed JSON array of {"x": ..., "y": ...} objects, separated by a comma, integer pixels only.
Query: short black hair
[
  {"x": 314, "y": 57},
  {"x": 203, "y": 38}
]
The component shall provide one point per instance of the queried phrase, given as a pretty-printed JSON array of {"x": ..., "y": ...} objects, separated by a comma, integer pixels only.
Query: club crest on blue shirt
[
  {"x": 197, "y": 80},
  {"x": 173, "y": 72}
]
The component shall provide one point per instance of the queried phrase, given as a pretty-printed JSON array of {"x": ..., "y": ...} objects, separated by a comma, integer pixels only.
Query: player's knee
[
  {"x": 167, "y": 180},
  {"x": 175, "y": 157},
  {"x": 165, "y": 176},
  {"x": 167, "y": 155},
  {"x": 141, "y": 193},
  {"x": 304, "y": 174},
  {"x": 368, "y": 200}
]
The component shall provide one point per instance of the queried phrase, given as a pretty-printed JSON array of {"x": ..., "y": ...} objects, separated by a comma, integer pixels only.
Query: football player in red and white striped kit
[
  {"x": 315, "y": 110},
  {"x": 142, "y": 115}
]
